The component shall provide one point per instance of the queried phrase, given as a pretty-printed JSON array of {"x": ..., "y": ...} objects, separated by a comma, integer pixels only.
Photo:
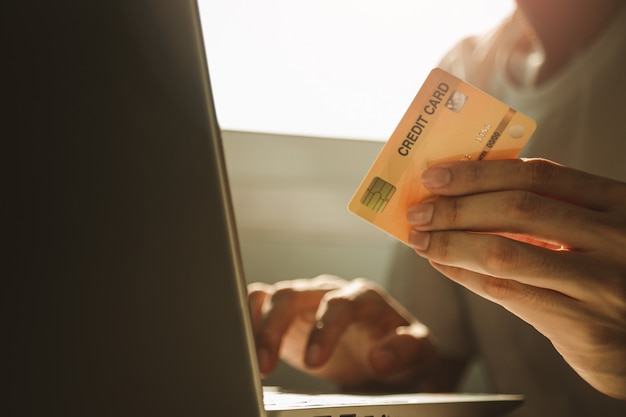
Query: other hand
[
  {"x": 544, "y": 241},
  {"x": 349, "y": 332}
]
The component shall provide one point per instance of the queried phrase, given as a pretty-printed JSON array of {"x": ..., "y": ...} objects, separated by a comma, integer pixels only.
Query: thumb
[{"x": 403, "y": 354}]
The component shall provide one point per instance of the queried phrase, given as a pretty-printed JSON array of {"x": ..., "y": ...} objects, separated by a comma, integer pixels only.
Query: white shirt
[{"x": 581, "y": 119}]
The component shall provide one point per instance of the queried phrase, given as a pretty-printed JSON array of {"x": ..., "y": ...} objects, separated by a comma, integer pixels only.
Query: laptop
[{"x": 129, "y": 296}]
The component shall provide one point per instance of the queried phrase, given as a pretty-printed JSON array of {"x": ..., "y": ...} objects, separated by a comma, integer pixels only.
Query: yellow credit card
[{"x": 449, "y": 120}]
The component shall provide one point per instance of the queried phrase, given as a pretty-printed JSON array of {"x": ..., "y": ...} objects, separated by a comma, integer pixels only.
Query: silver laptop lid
[{"x": 125, "y": 224}]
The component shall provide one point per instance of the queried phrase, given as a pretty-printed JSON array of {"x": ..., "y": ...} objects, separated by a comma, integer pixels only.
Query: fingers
[
  {"x": 549, "y": 242},
  {"x": 360, "y": 303},
  {"x": 257, "y": 292},
  {"x": 351, "y": 332},
  {"x": 274, "y": 309},
  {"x": 546, "y": 309},
  {"x": 501, "y": 257},
  {"x": 535, "y": 175},
  {"x": 267, "y": 351},
  {"x": 517, "y": 212}
]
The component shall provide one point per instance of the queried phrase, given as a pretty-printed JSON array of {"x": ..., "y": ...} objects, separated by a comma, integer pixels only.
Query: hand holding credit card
[{"x": 449, "y": 120}]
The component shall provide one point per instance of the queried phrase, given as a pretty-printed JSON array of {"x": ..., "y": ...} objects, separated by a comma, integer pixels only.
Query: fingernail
[
  {"x": 383, "y": 361},
  {"x": 313, "y": 355},
  {"x": 419, "y": 240},
  {"x": 436, "y": 177},
  {"x": 420, "y": 214}
]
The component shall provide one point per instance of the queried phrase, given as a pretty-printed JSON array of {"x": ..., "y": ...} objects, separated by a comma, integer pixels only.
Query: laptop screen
[{"x": 126, "y": 230}]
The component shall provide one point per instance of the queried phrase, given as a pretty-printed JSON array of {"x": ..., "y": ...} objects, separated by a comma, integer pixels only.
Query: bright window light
[{"x": 330, "y": 68}]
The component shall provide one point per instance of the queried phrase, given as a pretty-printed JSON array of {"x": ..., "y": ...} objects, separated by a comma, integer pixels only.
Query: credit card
[{"x": 449, "y": 120}]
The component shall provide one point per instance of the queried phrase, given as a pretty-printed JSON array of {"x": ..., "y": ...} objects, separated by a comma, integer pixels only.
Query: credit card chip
[{"x": 378, "y": 194}]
